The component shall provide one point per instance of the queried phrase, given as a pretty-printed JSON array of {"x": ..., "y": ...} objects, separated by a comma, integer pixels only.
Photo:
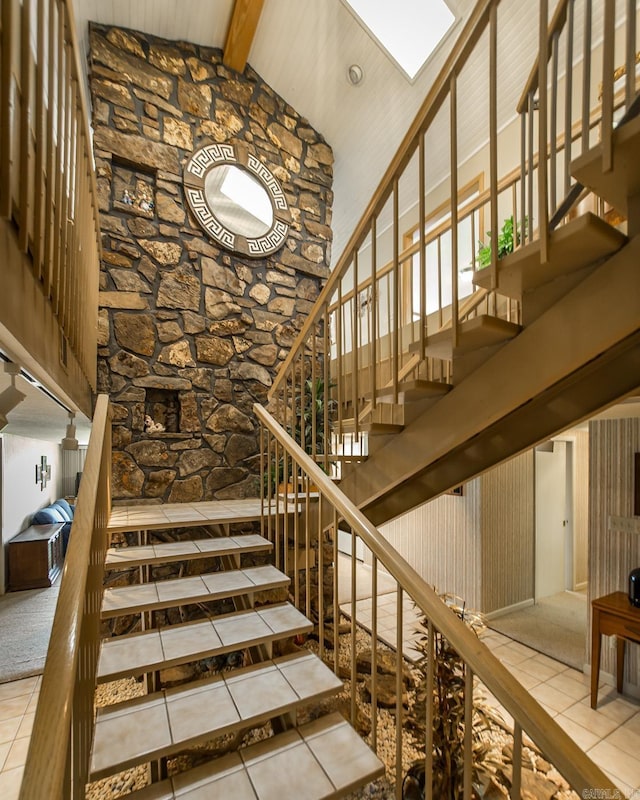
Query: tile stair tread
[
  {"x": 161, "y": 553},
  {"x": 322, "y": 759},
  {"x": 195, "y": 589},
  {"x": 161, "y": 648},
  {"x": 146, "y": 728}
]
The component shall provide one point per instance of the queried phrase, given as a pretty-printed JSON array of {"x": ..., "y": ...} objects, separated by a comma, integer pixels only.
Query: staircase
[{"x": 322, "y": 758}]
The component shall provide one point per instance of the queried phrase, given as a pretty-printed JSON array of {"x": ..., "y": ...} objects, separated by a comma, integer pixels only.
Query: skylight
[{"x": 407, "y": 30}]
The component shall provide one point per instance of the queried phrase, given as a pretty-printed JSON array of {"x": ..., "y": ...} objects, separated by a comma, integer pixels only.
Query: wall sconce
[
  {"x": 11, "y": 396},
  {"x": 70, "y": 442},
  {"x": 43, "y": 473}
]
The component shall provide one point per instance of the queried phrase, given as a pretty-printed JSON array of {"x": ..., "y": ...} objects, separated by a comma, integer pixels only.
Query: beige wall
[
  {"x": 441, "y": 540},
  {"x": 508, "y": 530},
  {"x": 613, "y": 553}
]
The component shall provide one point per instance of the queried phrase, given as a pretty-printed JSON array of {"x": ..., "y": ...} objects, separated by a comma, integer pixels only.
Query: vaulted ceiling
[{"x": 303, "y": 49}]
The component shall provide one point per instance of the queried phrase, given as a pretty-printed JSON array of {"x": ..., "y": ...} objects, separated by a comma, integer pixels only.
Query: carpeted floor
[
  {"x": 555, "y": 626},
  {"x": 25, "y": 626}
]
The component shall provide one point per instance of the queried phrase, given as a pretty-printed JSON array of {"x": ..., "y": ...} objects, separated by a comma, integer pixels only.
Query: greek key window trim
[{"x": 195, "y": 172}]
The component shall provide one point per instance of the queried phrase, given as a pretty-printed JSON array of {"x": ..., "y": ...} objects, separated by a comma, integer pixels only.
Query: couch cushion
[
  {"x": 47, "y": 515},
  {"x": 68, "y": 508},
  {"x": 59, "y": 507}
]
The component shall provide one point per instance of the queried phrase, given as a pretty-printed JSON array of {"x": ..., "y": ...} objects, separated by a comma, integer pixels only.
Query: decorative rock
[
  {"x": 189, "y": 420},
  {"x": 304, "y": 265},
  {"x": 120, "y": 437},
  {"x": 194, "y": 460},
  {"x": 130, "y": 300},
  {"x": 167, "y": 208},
  {"x": 103, "y": 328},
  {"x": 195, "y": 99},
  {"x": 229, "y": 418},
  {"x": 127, "y": 281},
  {"x": 321, "y": 152},
  {"x": 193, "y": 323},
  {"x": 282, "y": 305},
  {"x": 168, "y": 59},
  {"x": 260, "y": 293},
  {"x": 239, "y": 447},
  {"x": 213, "y": 350},
  {"x": 179, "y": 289},
  {"x": 199, "y": 70},
  {"x": 178, "y": 354},
  {"x": 223, "y": 476},
  {"x": 165, "y": 253},
  {"x": 218, "y": 304},
  {"x": 152, "y": 454},
  {"x": 158, "y": 382},
  {"x": 186, "y": 491},
  {"x": 125, "y": 41},
  {"x": 133, "y": 70},
  {"x": 312, "y": 252},
  {"x": 168, "y": 331},
  {"x": 123, "y": 363},
  {"x": 284, "y": 139},
  {"x": 221, "y": 277},
  {"x": 158, "y": 482},
  {"x": 275, "y": 276},
  {"x": 137, "y": 148},
  {"x": 265, "y": 354},
  {"x": 251, "y": 372},
  {"x": 115, "y": 93},
  {"x": 126, "y": 475},
  {"x": 177, "y": 133},
  {"x": 238, "y": 491},
  {"x": 135, "y": 332}
]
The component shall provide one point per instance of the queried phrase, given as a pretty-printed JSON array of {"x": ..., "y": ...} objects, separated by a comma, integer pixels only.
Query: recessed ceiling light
[{"x": 355, "y": 74}]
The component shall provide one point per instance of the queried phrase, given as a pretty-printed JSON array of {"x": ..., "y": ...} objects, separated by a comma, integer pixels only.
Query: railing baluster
[
  {"x": 42, "y": 143},
  {"x": 399, "y": 686},
  {"x": 608, "y": 66},
  {"x": 395, "y": 319},
  {"x": 468, "y": 732},
  {"x": 262, "y": 480},
  {"x": 530, "y": 166},
  {"x": 553, "y": 121},
  {"x": 8, "y": 10},
  {"x": 630, "y": 55},
  {"x": 340, "y": 350},
  {"x": 354, "y": 674},
  {"x": 307, "y": 546},
  {"x": 423, "y": 248},
  {"x": 59, "y": 163},
  {"x": 320, "y": 580},
  {"x": 543, "y": 205},
  {"x": 516, "y": 776},
  {"x": 523, "y": 176},
  {"x": 428, "y": 759},
  {"x": 354, "y": 343},
  {"x": 276, "y": 492},
  {"x": 374, "y": 311},
  {"x": 568, "y": 98},
  {"x": 493, "y": 141},
  {"x": 25, "y": 125},
  {"x": 586, "y": 74},
  {"x": 326, "y": 367},
  {"x": 52, "y": 150},
  {"x": 315, "y": 396},
  {"x": 336, "y": 587},
  {"x": 374, "y": 652}
]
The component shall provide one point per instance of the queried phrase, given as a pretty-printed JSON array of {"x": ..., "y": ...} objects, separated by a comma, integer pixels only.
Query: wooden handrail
[
  {"x": 47, "y": 758},
  {"x": 573, "y": 764}
]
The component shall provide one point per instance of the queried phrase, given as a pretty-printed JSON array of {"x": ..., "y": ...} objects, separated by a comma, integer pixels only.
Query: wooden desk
[{"x": 612, "y": 615}]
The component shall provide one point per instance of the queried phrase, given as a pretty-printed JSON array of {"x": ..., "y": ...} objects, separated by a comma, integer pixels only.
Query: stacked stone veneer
[{"x": 190, "y": 334}]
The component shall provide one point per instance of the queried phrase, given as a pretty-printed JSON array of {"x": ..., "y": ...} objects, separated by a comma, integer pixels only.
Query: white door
[{"x": 553, "y": 562}]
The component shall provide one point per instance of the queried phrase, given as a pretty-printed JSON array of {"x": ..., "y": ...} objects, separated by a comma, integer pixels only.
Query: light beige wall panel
[
  {"x": 612, "y": 553},
  {"x": 507, "y": 521},
  {"x": 441, "y": 540},
  {"x": 580, "y": 508}
]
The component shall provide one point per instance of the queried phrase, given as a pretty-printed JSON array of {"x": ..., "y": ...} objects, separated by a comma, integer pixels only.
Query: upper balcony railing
[
  {"x": 48, "y": 188},
  {"x": 408, "y": 271}
]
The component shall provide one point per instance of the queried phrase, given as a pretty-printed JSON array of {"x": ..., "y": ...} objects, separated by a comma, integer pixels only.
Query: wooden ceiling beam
[{"x": 242, "y": 29}]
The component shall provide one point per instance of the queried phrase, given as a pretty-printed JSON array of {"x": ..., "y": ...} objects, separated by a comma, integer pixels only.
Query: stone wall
[{"x": 190, "y": 335}]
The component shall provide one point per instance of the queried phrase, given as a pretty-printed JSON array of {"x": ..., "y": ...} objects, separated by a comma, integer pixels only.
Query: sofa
[{"x": 59, "y": 511}]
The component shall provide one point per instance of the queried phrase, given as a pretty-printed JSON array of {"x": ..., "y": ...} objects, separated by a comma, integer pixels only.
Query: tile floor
[{"x": 610, "y": 735}]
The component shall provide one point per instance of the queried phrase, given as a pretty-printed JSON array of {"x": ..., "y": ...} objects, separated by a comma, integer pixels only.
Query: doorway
[{"x": 554, "y": 552}]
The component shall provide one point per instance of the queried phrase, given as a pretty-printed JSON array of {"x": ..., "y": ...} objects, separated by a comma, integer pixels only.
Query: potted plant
[{"x": 508, "y": 237}]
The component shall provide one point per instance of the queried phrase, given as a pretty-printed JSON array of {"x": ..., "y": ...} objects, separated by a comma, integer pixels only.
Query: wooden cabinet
[{"x": 35, "y": 557}]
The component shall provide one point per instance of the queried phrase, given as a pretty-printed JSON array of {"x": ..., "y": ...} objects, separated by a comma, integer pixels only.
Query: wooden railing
[
  {"x": 307, "y": 542},
  {"x": 407, "y": 273},
  {"x": 57, "y": 763},
  {"x": 48, "y": 197}
]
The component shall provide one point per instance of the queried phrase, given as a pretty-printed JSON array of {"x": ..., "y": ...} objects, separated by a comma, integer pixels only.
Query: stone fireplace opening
[{"x": 162, "y": 407}]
